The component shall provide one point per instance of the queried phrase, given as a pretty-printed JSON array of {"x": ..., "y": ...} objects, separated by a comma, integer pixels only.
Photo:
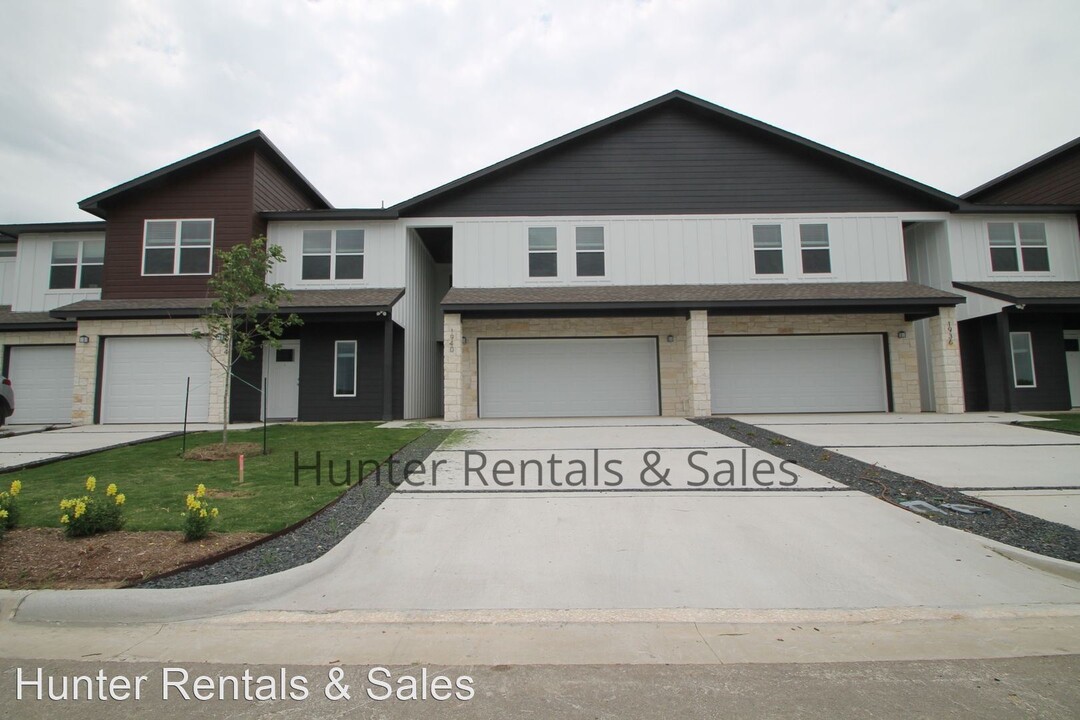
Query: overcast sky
[{"x": 379, "y": 101}]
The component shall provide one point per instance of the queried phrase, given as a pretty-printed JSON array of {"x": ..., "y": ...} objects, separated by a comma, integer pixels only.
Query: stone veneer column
[
  {"x": 697, "y": 358},
  {"x": 86, "y": 364},
  {"x": 945, "y": 360},
  {"x": 452, "y": 388}
]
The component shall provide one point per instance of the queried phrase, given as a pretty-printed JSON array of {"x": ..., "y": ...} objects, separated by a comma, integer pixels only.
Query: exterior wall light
[
  {"x": 901, "y": 334},
  {"x": 671, "y": 338},
  {"x": 84, "y": 339}
]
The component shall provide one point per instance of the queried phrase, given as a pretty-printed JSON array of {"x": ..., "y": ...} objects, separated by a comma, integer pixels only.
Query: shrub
[
  {"x": 199, "y": 514},
  {"x": 92, "y": 514},
  {"x": 9, "y": 506}
]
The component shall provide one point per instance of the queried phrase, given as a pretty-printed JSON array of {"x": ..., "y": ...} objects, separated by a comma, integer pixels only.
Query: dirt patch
[
  {"x": 232, "y": 494},
  {"x": 217, "y": 451},
  {"x": 43, "y": 558}
]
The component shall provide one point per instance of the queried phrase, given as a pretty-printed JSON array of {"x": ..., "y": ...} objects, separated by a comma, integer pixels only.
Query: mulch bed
[
  {"x": 33, "y": 558},
  {"x": 1002, "y": 524}
]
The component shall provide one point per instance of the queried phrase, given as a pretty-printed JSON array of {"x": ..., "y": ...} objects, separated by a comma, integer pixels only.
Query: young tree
[{"x": 244, "y": 313}]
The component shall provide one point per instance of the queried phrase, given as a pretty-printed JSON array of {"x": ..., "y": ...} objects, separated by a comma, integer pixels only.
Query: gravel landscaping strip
[
  {"x": 1002, "y": 524},
  {"x": 315, "y": 536}
]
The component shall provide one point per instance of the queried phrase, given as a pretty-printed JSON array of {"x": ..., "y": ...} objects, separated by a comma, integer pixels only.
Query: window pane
[
  {"x": 316, "y": 267},
  {"x": 159, "y": 261},
  {"x": 160, "y": 232},
  {"x": 589, "y": 238},
  {"x": 93, "y": 251},
  {"x": 345, "y": 381},
  {"x": 283, "y": 355},
  {"x": 1003, "y": 259},
  {"x": 1032, "y": 233},
  {"x": 1001, "y": 234},
  {"x": 767, "y": 237},
  {"x": 195, "y": 232},
  {"x": 816, "y": 261},
  {"x": 1072, "y": 344},
  {"x": 542, "y": 238},
  {"x": 542, "y": 265},
  {"x": 317, "y": 242},
  {"x": 65, "y": 252},
  {"x": 590, "y": 264},
  {"x": 349, "y": 267},
  {"x": 350, "y": 241},
  {"x": 8, "y": 250},
  {"x": 768, "y": 262},
  {"x": 91, "y": 276},
  {"x": 194, "y": 260},
  {"x": 814, "y": 236},
  {"x": 1023, "y": 359},
  {"x": 1036, "y": 259},
  {"x": 62, "y": 277}
]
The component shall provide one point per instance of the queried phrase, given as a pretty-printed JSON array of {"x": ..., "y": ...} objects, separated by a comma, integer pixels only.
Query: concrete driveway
[
  {"x": 31, "y": 448},
  {"x": 1033, "y": 471},
  {"x": 448, "y": 546}
]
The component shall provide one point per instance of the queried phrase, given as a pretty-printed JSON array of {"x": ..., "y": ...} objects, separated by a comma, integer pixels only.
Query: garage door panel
[
  {"x": 146, "y": 378},
  {"x": 568, "y": 377},
  {"x": 798, "y": 373},
  {"x": 43, "y": 377}
]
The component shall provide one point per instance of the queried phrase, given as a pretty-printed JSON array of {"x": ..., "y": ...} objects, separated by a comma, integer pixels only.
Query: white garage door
[
  {"x": 798, "y": 373},
  {"x": 145, "y": 379},
  {"x": 568, "y": 378},
  {"x": 43, "y": 378}
]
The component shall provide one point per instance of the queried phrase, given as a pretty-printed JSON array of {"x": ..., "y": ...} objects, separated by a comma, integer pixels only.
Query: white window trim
[
  {"x": 799, "y": 245},
  {"x": 528, "y": 253},
  {"x": 176, "y": 247},
  {"x": 754, "y": 274},
  {"x": 79, "y": 263},
  {"x": 1012, "y": 361},
  {"x": 607, "y": 257},
  {"x": 1017, "y": 248},
  {"x": 356, "y": 363},
  {"x": 333, "y": 259}
]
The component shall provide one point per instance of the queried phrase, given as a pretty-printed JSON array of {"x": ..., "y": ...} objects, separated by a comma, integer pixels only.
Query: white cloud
[{"x": 379, "y": 101}]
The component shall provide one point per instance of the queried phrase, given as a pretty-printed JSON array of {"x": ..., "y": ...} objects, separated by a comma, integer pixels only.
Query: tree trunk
[{"x": 228, "y": 392}]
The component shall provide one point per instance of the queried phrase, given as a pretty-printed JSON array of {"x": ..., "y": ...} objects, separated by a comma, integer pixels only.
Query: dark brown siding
[
  {"x": 219, "y": 189},
  {"x": 673, "y": 160},
  {"x": 274, "y": 191},
  {"x": 1054, "y": 182}
]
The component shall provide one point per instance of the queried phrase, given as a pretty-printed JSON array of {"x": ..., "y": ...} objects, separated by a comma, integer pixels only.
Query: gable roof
[
  {"x": 255, "y": 138},
  {"x": 684, "y": 101},
  {"x": 1018, "y": 173}
]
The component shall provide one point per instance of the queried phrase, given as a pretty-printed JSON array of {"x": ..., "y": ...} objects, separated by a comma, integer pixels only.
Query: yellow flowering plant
[
  {"x": 198, "y": 514},
  {"x": 92, "y": 513},
  {"x": 9, "y": 506}
]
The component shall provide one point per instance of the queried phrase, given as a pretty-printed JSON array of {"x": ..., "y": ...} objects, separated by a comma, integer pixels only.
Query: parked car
[{"x": 7, "y": 400}]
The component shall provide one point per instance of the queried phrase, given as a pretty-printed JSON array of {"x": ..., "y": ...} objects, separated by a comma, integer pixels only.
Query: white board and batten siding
[
  {"x": 678, "y": 250},
  {"x": 384, "y": 257},
  {"x": 7, "y": 280},
  {"x": 32, "y": 268}
]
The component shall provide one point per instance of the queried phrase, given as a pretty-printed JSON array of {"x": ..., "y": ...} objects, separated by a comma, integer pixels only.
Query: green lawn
[
  {"x": 1065, "y": 421},
  {"x": 155, "y": 480}
]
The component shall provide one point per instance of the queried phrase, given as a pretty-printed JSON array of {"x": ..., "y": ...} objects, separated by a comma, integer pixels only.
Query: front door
[
  {"x": 1072, "y": 361},
  {"x": 283, "y": 380}
]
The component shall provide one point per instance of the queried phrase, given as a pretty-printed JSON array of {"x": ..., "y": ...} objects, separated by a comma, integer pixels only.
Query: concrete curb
[{"x": 1061, "y": 568}]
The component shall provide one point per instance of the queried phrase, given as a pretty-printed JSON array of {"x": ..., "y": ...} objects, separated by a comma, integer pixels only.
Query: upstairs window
[
  {"x": 178, "y": 247},
  {"x": 543, "y": 254},
  {"x": 1006, "y": 255},
  {"x": 8, "y": 251},
  {"x": 590, "y": 251},
  {"x": 76, "y": 264},
  {"x": 333, "y": 254},
  {"x": 768, "y": 250},
  {"x": 814, "y": 242}
]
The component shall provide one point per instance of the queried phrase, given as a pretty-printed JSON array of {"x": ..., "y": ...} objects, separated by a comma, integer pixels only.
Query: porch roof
[
  {"x": 10, "y": 320},
  {"x": 1027, "y": 292},
  {"x": 320, "y": 301}
]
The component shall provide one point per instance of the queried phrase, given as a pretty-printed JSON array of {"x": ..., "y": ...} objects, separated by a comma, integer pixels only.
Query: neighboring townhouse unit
[{"x": 1015, "y": 255}]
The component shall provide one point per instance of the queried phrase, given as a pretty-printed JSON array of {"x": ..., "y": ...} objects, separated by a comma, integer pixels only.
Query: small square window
[
  {"x": 178, "y": 247},
  {"x": 76, "y": 264},
  {"x": 284, "y": 355},
  {"x": 1016, "y": 247}
]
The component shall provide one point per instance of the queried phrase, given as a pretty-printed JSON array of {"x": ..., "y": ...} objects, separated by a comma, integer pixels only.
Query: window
[
  {"x": 7, "y": 251},
  {"x": 768, "y": 250},
  {"x": 1023, "y": 359},
  {"x": 814, "y": 240},
  {"x": 284, "y": 355},
  {"x": 590, "y": 251},
  {"x": 76, "y": 264},
  {"x": 337, "y": 254},
  {"x": 1034, "y": 254},
  {"x": 178, "y": 247},
  {"x": 543, "y": 255},
  {"x": 345, "y": 368}
]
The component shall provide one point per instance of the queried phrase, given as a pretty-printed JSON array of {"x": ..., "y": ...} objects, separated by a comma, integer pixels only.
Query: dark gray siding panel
[
  {"x": 317, "y": 401},
  {"x": 674, "y": 160},
  {"x": 245, "y": 400},
  {"x": 1051, "y": 374}
]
